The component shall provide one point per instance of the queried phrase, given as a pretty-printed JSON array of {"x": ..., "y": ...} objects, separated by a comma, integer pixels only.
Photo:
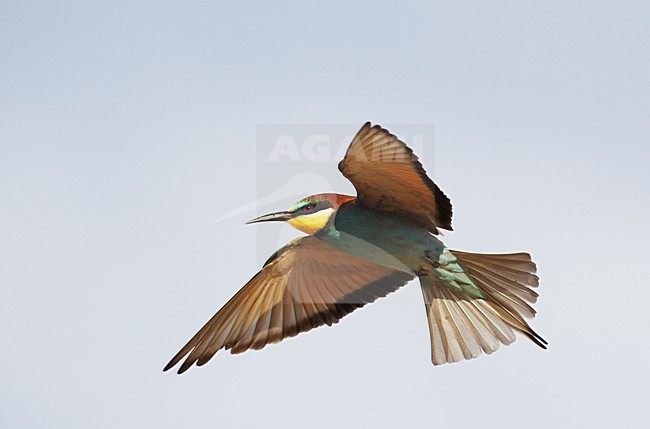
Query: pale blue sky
[{"x": 127, "y": 129}]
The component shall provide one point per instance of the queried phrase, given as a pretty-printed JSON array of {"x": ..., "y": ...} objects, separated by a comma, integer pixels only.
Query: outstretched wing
[
  {"x": 389, "y": 179},
  {"x": 306, "y": 284}
]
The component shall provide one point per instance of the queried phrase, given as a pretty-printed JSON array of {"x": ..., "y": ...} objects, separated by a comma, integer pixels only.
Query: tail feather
[
  {"x": 463, "y": 326},
  {"x": 514, "y": 287}
]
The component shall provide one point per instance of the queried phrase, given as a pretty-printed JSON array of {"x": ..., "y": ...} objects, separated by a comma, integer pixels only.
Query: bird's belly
[{"x": 391, "y": 241}]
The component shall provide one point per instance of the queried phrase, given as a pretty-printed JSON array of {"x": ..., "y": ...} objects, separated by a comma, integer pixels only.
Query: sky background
[{"x": 129, "y": 129}]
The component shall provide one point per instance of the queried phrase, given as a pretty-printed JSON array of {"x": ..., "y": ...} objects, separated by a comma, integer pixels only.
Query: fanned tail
[{"x": 463, "y": 326}]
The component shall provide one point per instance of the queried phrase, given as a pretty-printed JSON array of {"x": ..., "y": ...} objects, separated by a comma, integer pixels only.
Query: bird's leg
[
  {"x": 423, "y": 271},
  {"x": 427, "y": 256},
  {"x": 428, "y": 266}
]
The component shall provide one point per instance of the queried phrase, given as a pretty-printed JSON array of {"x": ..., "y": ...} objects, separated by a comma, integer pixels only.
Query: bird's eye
[{"x": 308, "y": 207}]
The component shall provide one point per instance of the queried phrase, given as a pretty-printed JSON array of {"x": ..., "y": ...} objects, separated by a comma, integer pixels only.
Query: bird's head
[{"x": 310, "y": 214}]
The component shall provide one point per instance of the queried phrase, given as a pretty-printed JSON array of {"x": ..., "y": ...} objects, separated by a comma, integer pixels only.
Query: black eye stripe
[{"x": 312, "y": 207}]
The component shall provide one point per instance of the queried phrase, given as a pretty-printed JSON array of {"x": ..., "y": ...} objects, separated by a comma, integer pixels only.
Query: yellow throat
[{"x": 311, "y": 223}]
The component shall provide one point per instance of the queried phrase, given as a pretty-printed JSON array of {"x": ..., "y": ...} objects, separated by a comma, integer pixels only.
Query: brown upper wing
[
  {"x": 306, "y": 284},
  {"x": 389, "y": 179}
]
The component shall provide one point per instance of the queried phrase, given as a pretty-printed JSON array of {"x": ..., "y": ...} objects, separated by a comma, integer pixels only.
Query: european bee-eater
[{"x": 362, "y": 248}]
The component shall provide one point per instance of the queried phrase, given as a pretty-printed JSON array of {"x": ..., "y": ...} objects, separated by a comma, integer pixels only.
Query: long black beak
[{"x": 279, "y": 216}]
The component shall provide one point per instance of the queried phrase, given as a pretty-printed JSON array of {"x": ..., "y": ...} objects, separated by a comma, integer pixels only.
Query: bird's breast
[{"x": 391, "y": 241}]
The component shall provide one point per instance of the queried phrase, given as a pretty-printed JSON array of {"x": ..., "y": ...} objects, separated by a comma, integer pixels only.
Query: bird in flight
[{"x": 362, "y": 248}]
